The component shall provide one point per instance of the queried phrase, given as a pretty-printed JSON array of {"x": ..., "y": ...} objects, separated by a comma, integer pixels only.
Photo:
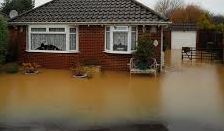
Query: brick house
[{"x": 60, "y": 34}]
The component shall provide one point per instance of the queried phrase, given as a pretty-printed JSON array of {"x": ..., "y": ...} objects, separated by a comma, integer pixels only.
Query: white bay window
[
  {"x": 120, "y": 39},
  {"x": 55, "y": 39}
]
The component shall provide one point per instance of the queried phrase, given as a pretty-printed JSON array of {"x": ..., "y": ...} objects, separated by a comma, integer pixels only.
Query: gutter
[{"x": 94, "y": 23}]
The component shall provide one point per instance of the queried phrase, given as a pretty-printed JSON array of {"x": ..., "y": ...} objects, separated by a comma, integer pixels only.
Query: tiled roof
[{"x": 91, "y": 11}]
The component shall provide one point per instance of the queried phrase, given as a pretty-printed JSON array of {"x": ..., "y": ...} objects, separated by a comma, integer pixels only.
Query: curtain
[
  {"x": 48, "y": 42},
  {"x": 120, "y": 41}
]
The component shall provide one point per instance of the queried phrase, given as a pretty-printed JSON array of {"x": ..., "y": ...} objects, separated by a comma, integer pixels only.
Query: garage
[
  {"x": 183, "y": 35},
  {"x": 181, "y": 39}
]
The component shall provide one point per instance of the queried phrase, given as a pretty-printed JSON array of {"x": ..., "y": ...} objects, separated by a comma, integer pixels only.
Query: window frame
[
  {"x": 66, "y": 33},
  {"x": 69, "y": 35},
  {"x": 112, "y": 30}
]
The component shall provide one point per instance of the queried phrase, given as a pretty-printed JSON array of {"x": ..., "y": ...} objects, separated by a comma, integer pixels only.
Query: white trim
[
  {"x": 112, "y": 30},
  {"x": 136, "y": 39},
  {"x": 105, "y": 39},
  {"x": 67, "y": 33},
  {"x": 51, "y": 51},
  {"x": 111, "y": 38},
  {"x": 77, "y": 38},
  {"x": 119, "y": 52},
  {"x": 136, "y": 36}
]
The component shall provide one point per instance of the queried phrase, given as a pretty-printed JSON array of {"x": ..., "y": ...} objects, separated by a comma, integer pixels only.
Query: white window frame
[
  {"x": 129, "y": 51},
  {"x": 67, "y": 33}
]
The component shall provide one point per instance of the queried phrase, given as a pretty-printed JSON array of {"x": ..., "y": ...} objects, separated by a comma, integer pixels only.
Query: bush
[
  {"x": 2, "y": 55},
  {"x": 12, "y": 68},
  {"x": 3, "y": 39},
  {"x": 12, "y": 53},
  {"x": 1, "y": 69},
  {"x": 145, "y": 51}
]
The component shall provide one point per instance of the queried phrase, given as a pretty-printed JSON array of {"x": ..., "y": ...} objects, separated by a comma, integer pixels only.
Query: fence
[{"x": 190, "y": 53}]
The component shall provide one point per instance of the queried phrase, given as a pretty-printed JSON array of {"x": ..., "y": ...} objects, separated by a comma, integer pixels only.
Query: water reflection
[
  {"x": 193, "y": 95},
  {"x": 187, "y": 96}
]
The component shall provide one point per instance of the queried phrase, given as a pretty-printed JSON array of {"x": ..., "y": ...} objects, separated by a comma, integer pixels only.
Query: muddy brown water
[{"x": 186, "y": 96}]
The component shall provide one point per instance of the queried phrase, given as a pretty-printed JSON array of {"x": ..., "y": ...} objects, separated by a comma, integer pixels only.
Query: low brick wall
[{"x": 91, "y": 47}]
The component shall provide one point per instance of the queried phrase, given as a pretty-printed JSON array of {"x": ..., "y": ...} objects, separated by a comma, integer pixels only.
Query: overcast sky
[{"x": 215, "y": 6}]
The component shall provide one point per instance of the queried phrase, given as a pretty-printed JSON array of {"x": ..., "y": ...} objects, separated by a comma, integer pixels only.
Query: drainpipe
[{"x": 161, "y": 51}]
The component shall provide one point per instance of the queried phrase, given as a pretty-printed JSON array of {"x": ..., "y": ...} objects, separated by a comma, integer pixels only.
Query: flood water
[{"x": 187, "y": 96}]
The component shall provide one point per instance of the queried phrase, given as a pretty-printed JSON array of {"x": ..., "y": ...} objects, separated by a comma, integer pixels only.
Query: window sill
[
  {"x": 48, "y": 51},
  {"x": 119, "y": 52}
]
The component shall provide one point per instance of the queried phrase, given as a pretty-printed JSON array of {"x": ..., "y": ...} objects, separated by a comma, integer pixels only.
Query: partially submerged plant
[
  {"x": 145, "y": 52},
  {"x": 79, "y": 71},
  {"x": 11, "y": 68},
  {"x": 30, "y": 68},
  {"x": 82, "y": 71}
]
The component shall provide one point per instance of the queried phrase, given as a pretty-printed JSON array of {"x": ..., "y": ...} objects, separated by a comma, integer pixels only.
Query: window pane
[
  {"x": 72, "y": 41},
  {"x": 133, "y": 41},
  {"x": 48, "y": 42},
  {"x": 120, "y": 41},
  {"x": 57, "y": 29},
  {"x": 108, "y": 40},
  {"x": 121, "y": 28},
  {"x": 72, "y": 30},
  {"x": 38, "y": 29}
]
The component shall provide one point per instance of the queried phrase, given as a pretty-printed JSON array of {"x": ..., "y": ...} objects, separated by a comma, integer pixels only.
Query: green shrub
[
  {"x": 2, "y": 55},
  {"x": 1, "y": 69},
  {"x": 145, "y": 51},
  {"x": 3, "y": 39},
  {"x": 11, "y": 68}
]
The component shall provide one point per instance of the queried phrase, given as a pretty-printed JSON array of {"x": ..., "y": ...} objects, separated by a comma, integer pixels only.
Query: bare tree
[{"x": 167, "y": 7}]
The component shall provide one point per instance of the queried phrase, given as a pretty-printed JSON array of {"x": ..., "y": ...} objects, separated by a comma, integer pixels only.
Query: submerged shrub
[{"x": 12, "y": 68}]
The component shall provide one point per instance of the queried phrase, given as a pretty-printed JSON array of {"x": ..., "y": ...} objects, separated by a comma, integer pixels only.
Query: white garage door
[{"x": 181, "y": 39}]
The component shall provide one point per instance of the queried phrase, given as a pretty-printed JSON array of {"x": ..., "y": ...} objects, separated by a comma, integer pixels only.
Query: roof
[
  {"x": 184, "y": 27},
  {"x": 91, "y": 11}
]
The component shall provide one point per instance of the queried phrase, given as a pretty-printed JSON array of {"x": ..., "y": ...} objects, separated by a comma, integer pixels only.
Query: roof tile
[{"x": 90, "y": 11}]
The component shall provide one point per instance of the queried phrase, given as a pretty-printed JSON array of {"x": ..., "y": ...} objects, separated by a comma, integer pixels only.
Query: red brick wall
[{"x": 91, "y": 47}]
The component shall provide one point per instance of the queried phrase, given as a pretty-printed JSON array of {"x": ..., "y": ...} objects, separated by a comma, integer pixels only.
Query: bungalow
[{"x": 62, "y": 33}]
